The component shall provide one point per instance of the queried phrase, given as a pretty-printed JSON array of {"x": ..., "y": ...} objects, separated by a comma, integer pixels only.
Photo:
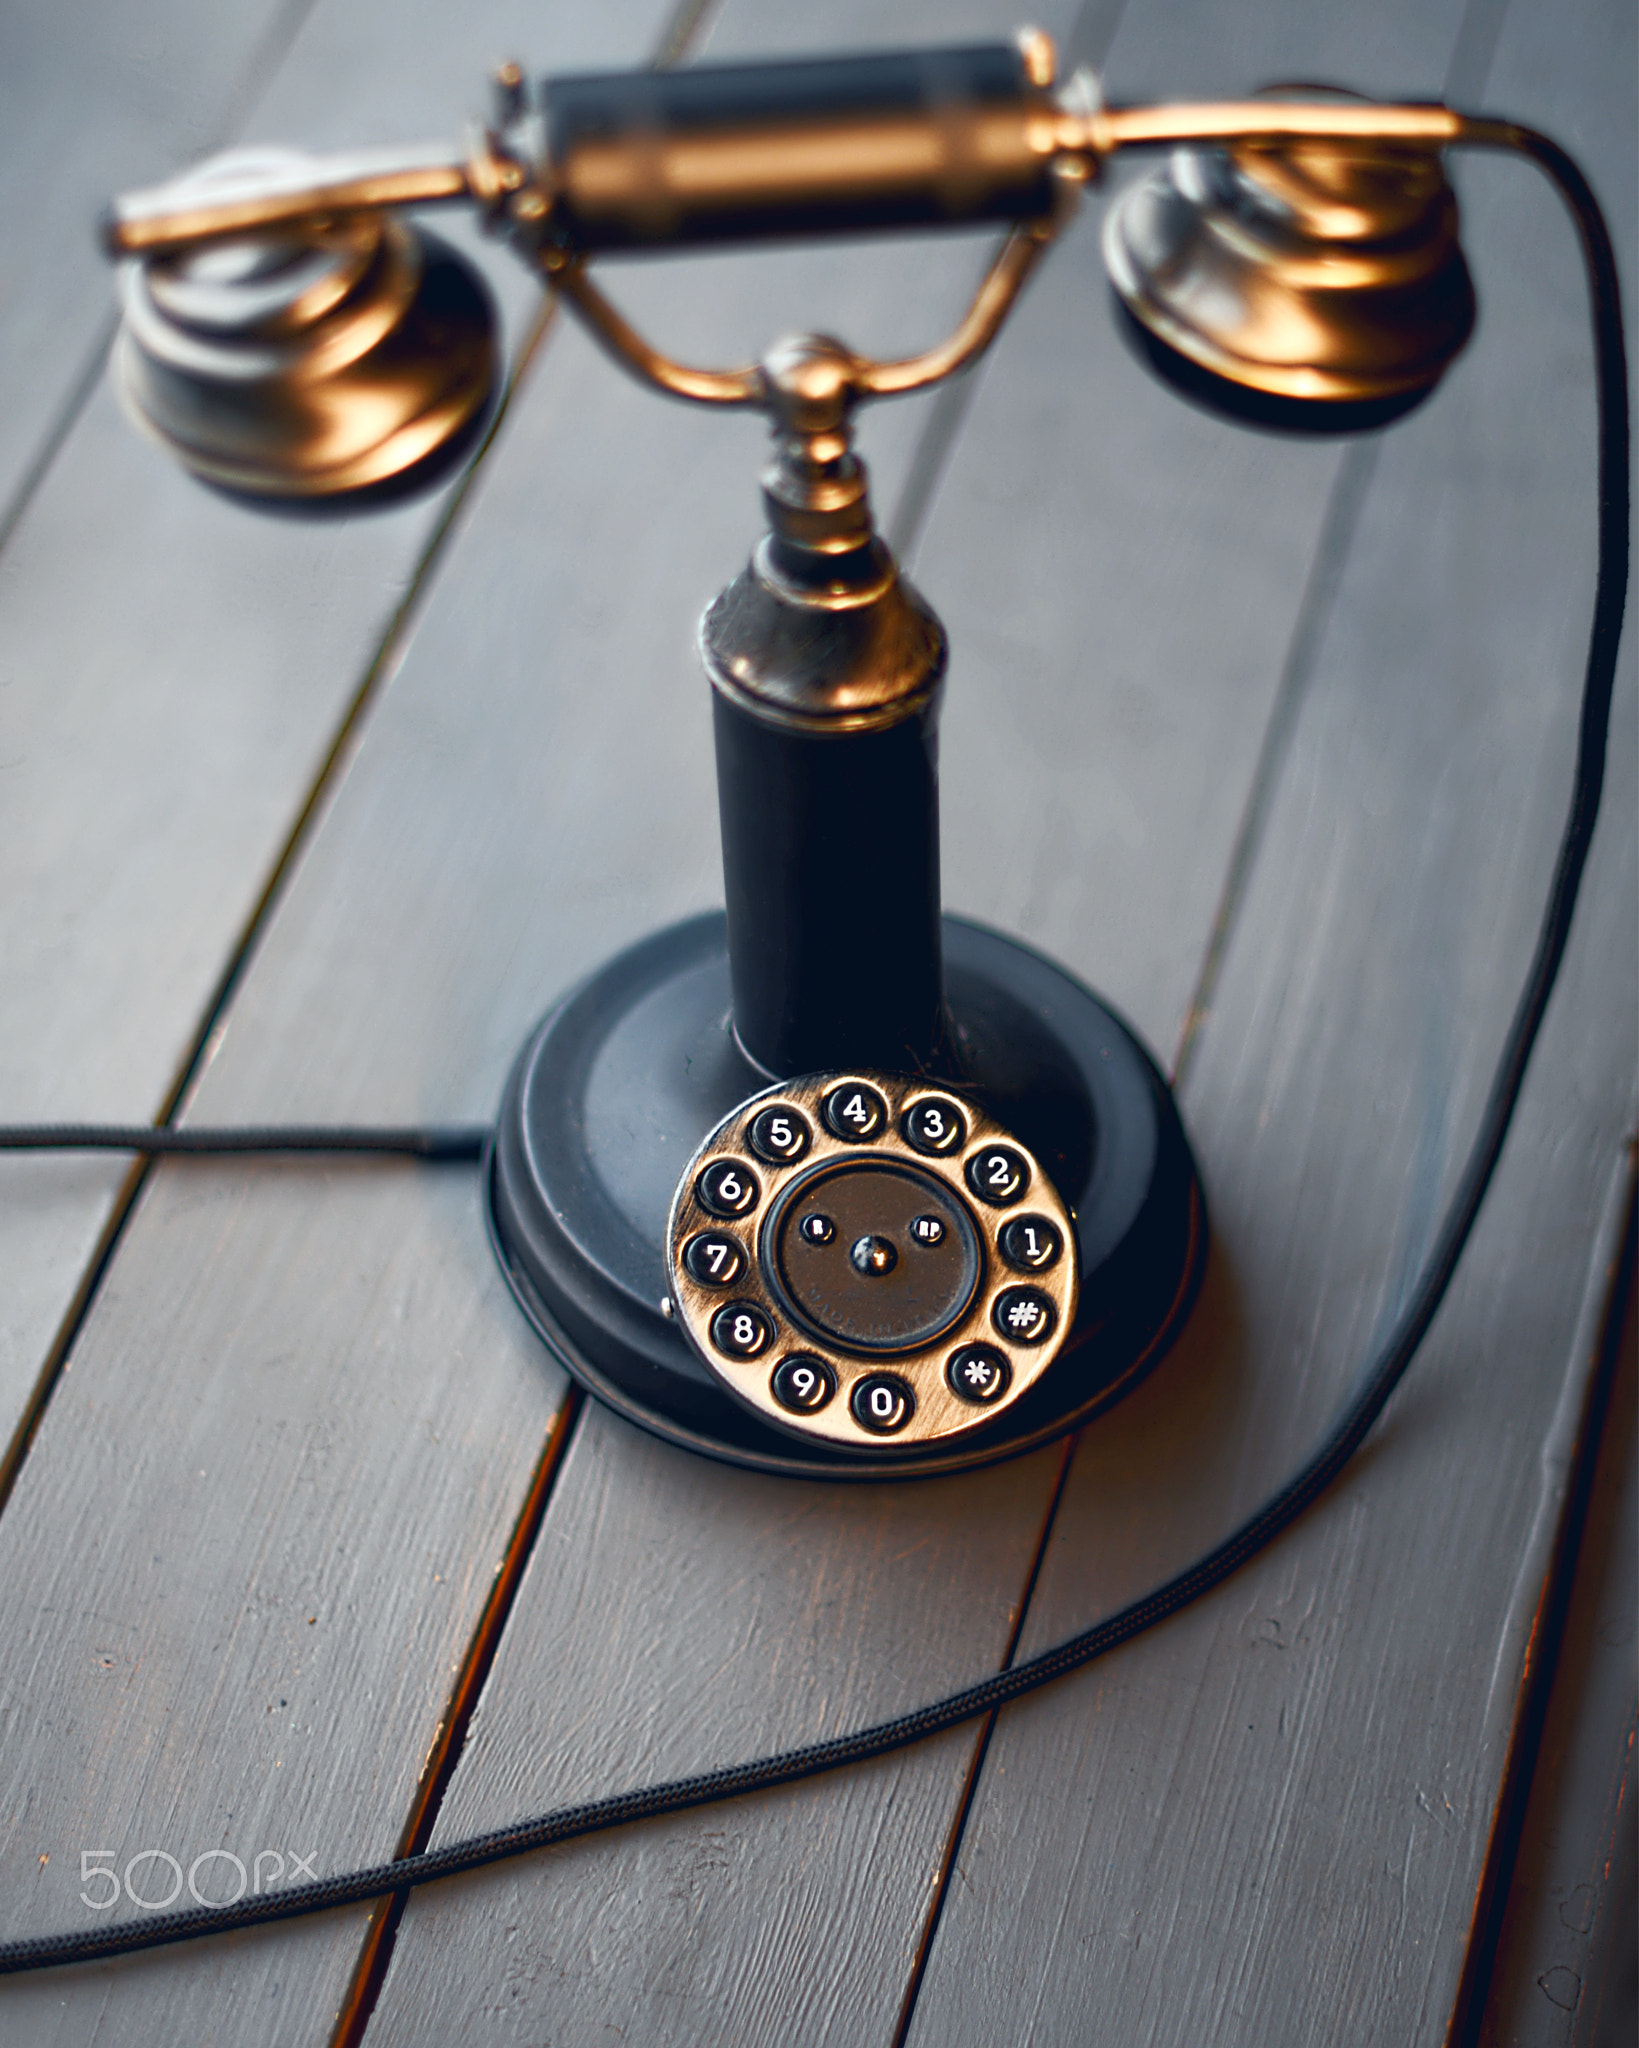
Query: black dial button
[
  {"x": 741, "y": 1330},
  {"x": 803, "y": 1383},
  {"x": 855, "y": 1113},
  {"x": 978, "y": 1374},
  {"x": 1023, "y": 1314},
  {"x": 998, "y": 1175},
  {"x": 779, "y": 1135},
  {"x": 882, "y": 1403},
  {"x": 1030, "y": 1244},
  {"x": 934, "y": 1125},
  {"x": 868, "y": 1284},
  {"x": 727, "y": 1188},
  {"x": 817, "y": 1229},
  {"x": 928, "y": 1230},
  {"x": 713, "y": 1259}
]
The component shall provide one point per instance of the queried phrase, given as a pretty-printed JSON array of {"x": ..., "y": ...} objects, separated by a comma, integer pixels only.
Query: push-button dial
[
  {"x": 779, "y": 1135},
  {"x": 998, "y": 1175},
  {"x": 978, "y": 1374},
  {"x": 871, "y": 1262},
  {"x": 934, "y": 1126},
  {"x": 803, "y": 1384},
  {"x": 1024, "y": 1315},
  {"x": 742, "y": 1330}
]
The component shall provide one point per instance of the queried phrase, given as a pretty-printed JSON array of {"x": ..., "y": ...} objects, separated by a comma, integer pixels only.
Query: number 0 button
[
  {"x": 803, "y": 1384},
  {"x": 998, "y": 1175},
  {"x": 856, "y": 1113},
  {"x": 727, "y": 1188},
  {"x": 882, "y": 1403},
  {"x": 741, "y": 1330},
  {"x": 779, "y": 1135}
]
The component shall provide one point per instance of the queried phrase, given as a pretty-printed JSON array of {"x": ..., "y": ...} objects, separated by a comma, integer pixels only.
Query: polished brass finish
[
  {"x": 256, "y": 192},
  {"x": 820, "y": 633},
  {"x": 866, "y": 379},
  {"x": 938, "y": 1413},
  {"x": 1326, "y": 272},
  {"x": 1310, "y": 256},
  {"x": 301, "y": 368}
]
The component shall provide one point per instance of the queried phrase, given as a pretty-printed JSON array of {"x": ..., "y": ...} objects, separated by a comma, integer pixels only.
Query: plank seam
[
  {"x": 1547, "y": 1632},
  {"x": 345, "y": 739},
  {"x": 267, "y": 52},
  {"x": 978, "y": 1754},
  {"x": 376, "y": 1955}
]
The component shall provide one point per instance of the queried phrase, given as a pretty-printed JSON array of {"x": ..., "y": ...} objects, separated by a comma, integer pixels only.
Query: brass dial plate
[{"x": 858, "y": 1333}]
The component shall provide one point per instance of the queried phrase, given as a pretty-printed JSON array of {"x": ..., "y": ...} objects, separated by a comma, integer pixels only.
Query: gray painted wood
[
  {"x": 733, "y": 1931},
  {"x": 1565, "y": 1973},
  {"x": 1268, "y": 1821},
  {"x": 95, "y": 98},
  {"x": 165, "y": 705}
]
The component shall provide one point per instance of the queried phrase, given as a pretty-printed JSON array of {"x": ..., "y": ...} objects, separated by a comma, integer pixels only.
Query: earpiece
[{"x": 1314, "y": 285}]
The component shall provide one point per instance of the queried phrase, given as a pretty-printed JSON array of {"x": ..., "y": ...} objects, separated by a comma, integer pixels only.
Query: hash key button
[{"x": 1023, "y": 1314}]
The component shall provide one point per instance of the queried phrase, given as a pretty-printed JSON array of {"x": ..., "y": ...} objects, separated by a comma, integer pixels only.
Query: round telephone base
[{"x": 620, "y": 1083}]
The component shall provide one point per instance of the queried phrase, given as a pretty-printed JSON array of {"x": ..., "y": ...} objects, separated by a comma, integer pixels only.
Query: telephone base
[{"x": 623, "y": 1079}]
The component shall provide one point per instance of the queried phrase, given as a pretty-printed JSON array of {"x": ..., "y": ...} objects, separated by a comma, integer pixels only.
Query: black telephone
[{"x": 1011, "y": 1229}]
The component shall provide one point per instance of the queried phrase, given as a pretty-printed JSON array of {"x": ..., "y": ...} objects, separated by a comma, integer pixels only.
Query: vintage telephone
[{"x": 836, "y": 1186}]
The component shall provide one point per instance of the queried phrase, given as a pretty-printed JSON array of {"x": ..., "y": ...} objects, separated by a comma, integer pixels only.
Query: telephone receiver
[{"x": 829, "y": 1184}]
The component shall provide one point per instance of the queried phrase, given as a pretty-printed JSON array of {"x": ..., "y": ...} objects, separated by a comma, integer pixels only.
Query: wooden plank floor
[{"x": 313, "y": 822}]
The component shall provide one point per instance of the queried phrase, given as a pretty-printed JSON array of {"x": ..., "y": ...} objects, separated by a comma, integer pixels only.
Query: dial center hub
[{"x": 881, "y": 1279}]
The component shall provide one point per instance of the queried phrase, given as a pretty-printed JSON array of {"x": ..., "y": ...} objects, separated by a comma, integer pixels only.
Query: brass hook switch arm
[
  {"x": 610, "y": 327},
  {"x": 1101, "y": 131},
  {"x": 980, "y": 325},
  {"x": 257, "y": 192}
]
